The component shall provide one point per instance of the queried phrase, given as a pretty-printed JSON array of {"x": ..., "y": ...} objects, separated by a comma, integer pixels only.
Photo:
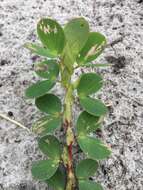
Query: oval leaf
[
  {"x": 48, "y": 69},
  {"x": 50, "y": 146},
  {"x": 93, "y": 148},
  {"x": 88, "y": 185},
  {"x": 93, "y": 48},
  {"x": 95, "y": 65},
  {"x": 47, "y": 124},
  {"x": 76, "y": 33},
  {"x": 39, "y": 88},
  {"x": 86, "y": 168},
  {"x": 39, "y": 50},
  {"x": 87, "y": 123},
  {"x": 51, "y": 35},
  {"x": 93, "y": 106},
  {"x": 89, "y": 83},
  {"x": 44, "y": 169},
  {"x": 49, "y": 103},
  {"x": 58, "y": 180}
]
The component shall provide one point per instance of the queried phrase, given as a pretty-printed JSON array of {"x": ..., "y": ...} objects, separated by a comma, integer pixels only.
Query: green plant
[{"x": 65, "y": 50}]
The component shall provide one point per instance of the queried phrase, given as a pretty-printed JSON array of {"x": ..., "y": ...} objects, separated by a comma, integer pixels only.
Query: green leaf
[
  {"x": 48, "y": 69},
  {"x": 87, "y": 123},
  {"x": 68, "y": 60},
  {"x": 49, "y": 103},
  {"x": 76, "y": 33},
  {"x": 95, "y": 65},
  {"x": 51, "y": 35},
  {"x": 93, "y": 148},
  {"x": 39, "y": 88},
  {"x": 39, "y": 50},
  {"x": 57, "y": 181},
  {"x": 93, "y": 47},
  {"x": 47, "y": 124},
  {"x": 86, "y": 168},
  {"x": 50, "y": 146},
  {"x": 93, "y": 106},
  {"x": 88, "y": 185},
  {"x": 89, "y": 83},
  {"x": 44, "y": 169}
]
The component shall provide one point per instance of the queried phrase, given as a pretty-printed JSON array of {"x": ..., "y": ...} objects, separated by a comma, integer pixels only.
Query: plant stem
[{"x": 67, "y": 120}]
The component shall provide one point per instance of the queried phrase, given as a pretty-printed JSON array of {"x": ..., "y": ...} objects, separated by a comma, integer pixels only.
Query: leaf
[
  {"x": 48, "y": 69},
  {"x": 57, "y": 181},
  {"x": 76, "y": 33},
  {"x": 44, "y": 169},
  {"x": 39, "y": 50},
  {"x": 87, "y": 123},
  {"x": 88, "y": 185},
  {"x": 93, "y": 106},
  {"x": 93, "y": 47},
  {"x": 49, "y": 103},
  {"x": 68, "y": 60},
  {"x": 39, "y": 88},
  {"x": 93, "y": 148},
  {"x": 96, "y": 65},
  {"x": 50, "y": 146},
  {"x": 89, "y": 83},
  {"x": 47, "y": 124},
  {"x": 86, "y": 168},
  {"x": 51, "y": 35}
]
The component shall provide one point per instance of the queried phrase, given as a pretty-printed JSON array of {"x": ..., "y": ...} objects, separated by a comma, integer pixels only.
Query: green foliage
[
  {"x": 48, "y": 69},
  {"x": 84, "y": 185},
  {"x": 93, "y": 106},
  {"x": 44, "y": 169},
  {"x": 49, "y": 103},
  {"x": 39, "y": 88},
  {"x": 89, "y": 83},
  {"x": 39, "y": 50},
  {"x": 87, "y": 123},
  {"x": 58, "y": 180},
  {"x": 50, "y": 146},
  {"x": 97, "y": 65},
  {"x": 93, "y": 47},
  {"x": 66, "y": 49},
  {"x": 86, "y": 168},
  {"x": 51, "y": 35},
  {"x": 93, "y": 148},
  {"x": 76, "y": 33},
  {"x": 47, "y": 125}
]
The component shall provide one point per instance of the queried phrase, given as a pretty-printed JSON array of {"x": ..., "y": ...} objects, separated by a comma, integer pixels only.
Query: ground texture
[{"x": 122, "y": 23}]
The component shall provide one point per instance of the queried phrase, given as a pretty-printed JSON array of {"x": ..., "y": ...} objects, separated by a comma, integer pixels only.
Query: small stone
[{"x": 10, "y": 113}]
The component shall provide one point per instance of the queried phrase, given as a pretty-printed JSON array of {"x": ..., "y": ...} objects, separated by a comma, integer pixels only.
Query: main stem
[{"x": 67, "y": 120}]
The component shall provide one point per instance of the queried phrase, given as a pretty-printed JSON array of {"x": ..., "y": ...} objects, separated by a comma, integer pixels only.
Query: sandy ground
[{"x": 122, "y": 22}]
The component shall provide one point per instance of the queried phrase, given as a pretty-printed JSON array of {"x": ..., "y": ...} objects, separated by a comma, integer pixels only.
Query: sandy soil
[{"x": 122, "y": 23}]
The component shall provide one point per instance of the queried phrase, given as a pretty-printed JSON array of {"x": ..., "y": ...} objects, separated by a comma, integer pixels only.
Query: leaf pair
[
  {"x": 92, "y": 147},
  {"x": 90, "y": 83},
  {"x": 51, "y": 105},
  {"x": 84, "y": 170},
  {"x": 45, "y": 169},
  {"x": 82, "y": 46},
  {"x": 48, "y": 70}
]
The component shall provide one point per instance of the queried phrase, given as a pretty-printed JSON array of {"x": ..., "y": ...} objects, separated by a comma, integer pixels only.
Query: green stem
[{"x": 67, "y": 120}]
